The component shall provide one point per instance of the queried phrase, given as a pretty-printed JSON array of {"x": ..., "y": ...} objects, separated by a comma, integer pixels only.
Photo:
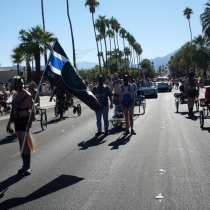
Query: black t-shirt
[{"x": 102, "y": 94}]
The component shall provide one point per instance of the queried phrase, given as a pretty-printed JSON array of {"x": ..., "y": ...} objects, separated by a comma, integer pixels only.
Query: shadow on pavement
[
  {"x": 59, "y": 183},
  {"x": 122, "y": 140},
  {"x": 192, "y": 117},
  {"x": 9, "y": 139},
  {"x": 7, "y": 183},
  {"x": 93, "y": 142},
  {"x": 206, "y": 129}
]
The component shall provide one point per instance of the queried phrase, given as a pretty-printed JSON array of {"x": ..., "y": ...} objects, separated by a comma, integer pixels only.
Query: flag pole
[{"x": 37, "y": 92}]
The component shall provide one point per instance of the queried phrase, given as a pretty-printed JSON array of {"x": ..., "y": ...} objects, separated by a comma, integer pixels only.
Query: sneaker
[
  {"x": 126, "y": 132},
  {"x": 28, "y": 171},
  {"x": 133, "y": 132},
  {"x": 107, "y": 133},
  {"x": 98, "y": 134}
]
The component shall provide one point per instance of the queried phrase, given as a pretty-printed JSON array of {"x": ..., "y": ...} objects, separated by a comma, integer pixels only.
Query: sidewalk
[{"x": 44, "y": 103}]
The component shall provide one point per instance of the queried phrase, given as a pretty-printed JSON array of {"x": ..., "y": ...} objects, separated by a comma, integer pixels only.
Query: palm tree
[
  {"x": 99, "y": 37},
  {"x": 92, "y": 5},
  {"x": 27, "y": 52},
  {"x": 17, "y": 57},
  {"x": 101, "y": 24},
  {"x": 36, "y": 40},
  {"x": 72, "y": 35},
  {"x": 187, "y": 12},
  {"x": 123, "y": 32},
  {"x": 110, "y": 34},
  {"x": 113, "y": 23},
  {"x": 205, "y": 21}
]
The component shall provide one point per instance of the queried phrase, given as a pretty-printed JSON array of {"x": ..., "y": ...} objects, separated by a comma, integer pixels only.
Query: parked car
[
  {"x": 149, "y": 88},
  {"x": 164, "y": 83}
]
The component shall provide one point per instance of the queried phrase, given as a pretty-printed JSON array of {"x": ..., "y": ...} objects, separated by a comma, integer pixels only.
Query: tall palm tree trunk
[
  {"x": 191, "y": 40},
  {"x": 99, "y": 60},
  {"x": 72, "y": 35},
  {"x": 37, "y": 63},
  {"x": 102, "y": 52},
  {"x": 29, "y": 73},
  {"x": 43, "y": 23},
  {"x": 106, "y": 54}
]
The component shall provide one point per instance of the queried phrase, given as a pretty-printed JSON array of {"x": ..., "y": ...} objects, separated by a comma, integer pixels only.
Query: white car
[{"x": 163, "y": 83}]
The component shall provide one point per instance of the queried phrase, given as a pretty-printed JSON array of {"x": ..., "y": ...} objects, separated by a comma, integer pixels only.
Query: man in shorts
[
  {"x": 126, "y": 98},
  {"x": 20, "y": 115},
  {"x": 191, "y": 85}
]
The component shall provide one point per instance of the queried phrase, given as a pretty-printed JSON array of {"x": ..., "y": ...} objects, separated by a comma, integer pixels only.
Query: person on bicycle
[
  {"x": 126, "y": 98},
  {"x": 191, "y": 86}
]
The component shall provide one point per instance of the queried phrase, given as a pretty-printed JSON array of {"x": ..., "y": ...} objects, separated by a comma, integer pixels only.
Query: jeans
[{"x": 103, "y": 111}]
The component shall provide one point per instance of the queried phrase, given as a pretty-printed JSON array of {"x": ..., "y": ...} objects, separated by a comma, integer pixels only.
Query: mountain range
[{"x": 159, "y": 61}]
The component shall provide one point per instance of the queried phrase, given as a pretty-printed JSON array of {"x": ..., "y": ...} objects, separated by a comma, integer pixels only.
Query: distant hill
[
  {"x": 159, "y": 61},
  {"x": 85, "y": 65}
]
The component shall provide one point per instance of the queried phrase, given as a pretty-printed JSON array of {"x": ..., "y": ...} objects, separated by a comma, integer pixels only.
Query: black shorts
[
  {"x": 20, "y": 123},
  {"x": 191, "y": 93}
]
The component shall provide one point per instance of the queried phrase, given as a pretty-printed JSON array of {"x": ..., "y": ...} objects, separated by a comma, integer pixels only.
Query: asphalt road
[{"x": 165, "y": 166}]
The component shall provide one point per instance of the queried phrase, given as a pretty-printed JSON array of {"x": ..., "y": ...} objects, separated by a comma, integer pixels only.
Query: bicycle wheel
[
  {"x": 56, "y": 110},
  {"x": 201, "y": 119},
  {"x": 43, "y": 121},
  {"x": 79, "y": 109},
  {"x": 197, "y": 105}
]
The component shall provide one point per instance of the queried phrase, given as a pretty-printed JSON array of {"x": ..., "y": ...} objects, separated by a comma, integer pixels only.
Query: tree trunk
[
  {"x": 43, "y": 23},
  {"x": 37, "y": 63},
  {"x": 99, "y": 60},
  {"x": 72, "y": 35},
  {"x": 29, "y": 73}
]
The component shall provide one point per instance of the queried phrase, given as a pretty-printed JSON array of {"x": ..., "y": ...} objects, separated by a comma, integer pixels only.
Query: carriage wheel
[
  {"x": 56, "y": 110},
  {"x": 138, "y": 103},
  {"x": 144, "y": 105},
  {"x": 79, "y": 109},
  {"x": 43, "y": 121},
  {"x": 177, "y": 105},
  {"x": 201, "y": 119}
]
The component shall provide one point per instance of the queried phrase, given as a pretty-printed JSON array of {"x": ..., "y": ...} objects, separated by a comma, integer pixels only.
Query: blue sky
[{"x": 158, "y": 26}]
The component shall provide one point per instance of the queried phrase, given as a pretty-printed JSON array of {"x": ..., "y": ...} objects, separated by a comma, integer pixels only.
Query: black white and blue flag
[{"x": 62, "y": 74}]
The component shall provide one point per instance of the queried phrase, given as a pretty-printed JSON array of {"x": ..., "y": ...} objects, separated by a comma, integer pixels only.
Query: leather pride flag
[{"x": 62, "y": 74}]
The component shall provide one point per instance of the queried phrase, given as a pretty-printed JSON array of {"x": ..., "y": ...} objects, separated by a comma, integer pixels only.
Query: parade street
[{"x": 164, "y": 166}]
